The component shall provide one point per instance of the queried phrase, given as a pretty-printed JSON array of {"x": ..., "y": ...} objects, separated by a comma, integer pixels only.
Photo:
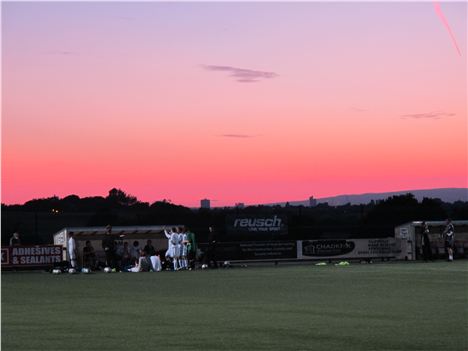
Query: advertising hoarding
[
  {"x": 352, "y": 248},
  {"x": 254, "y": 250},
  {"x": 31, "y": 256},
  {"x": 248, "y": 226}
]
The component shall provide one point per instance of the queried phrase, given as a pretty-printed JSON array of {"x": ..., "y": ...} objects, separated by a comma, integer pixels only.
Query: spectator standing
[
  {"x": 449, "y": 236},
  {"x": 15, "y": 239},
  {"x": 426, "y": 242}
]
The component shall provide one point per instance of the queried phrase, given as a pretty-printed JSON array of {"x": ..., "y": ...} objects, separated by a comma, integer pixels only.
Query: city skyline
[{"x": 234, "y": 102}]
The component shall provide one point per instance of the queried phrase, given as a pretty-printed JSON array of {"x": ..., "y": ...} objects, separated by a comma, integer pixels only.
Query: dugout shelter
[
  {"x": 128, "y": 234},
  {"x": 411, "y": 234}
]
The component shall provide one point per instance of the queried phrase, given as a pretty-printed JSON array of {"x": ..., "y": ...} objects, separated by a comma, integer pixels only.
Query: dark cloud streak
[
  {"x": 240, "y": 136},
  {"x": 428, "y": 115},
  {"x": 242, "y": 75}
]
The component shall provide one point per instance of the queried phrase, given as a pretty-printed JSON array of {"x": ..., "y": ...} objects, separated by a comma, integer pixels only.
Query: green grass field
[{"x": 392, "y": 306}]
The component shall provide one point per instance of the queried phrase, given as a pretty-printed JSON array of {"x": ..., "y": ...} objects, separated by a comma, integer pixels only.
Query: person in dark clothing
[
  {"x": 210, "y": 254},
  {"x": 108, "y": 245},
  {"x": 426, "y": 243},
  {"x": 89, "y": 256},
  {"x": 149, "y": 249},
  {"x": 126, "y": 257},
  {"x": 191, "y": 248},
  {"x": 449, "y": 236},
  {"x": 15, "y": 240}
]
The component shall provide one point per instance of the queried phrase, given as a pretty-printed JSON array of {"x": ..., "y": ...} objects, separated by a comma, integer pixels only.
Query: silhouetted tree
[
  {"x": 35, "y": 219},
  {"x": 457, "y": 210},
  {"x": 394, "y": 210},
  {"x": 118, "y": 196}
]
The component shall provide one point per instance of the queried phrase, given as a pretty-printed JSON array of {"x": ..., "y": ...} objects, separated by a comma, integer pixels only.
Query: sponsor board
[
  {"x": 59, "y": 239},
  {"x": 404, "y": 233},
  {"x": 262, "y": 225},
  {"x": 254, "y": 250},
  {"x": 323, "y": 248},
  {"x": 5, "y": 256},
  {"x": 353, "y": 248},
  {"x": 31, "y": 256}
]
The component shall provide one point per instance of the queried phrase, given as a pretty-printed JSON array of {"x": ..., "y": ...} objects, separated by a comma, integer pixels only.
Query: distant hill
[{"x": 449, "y": 195}]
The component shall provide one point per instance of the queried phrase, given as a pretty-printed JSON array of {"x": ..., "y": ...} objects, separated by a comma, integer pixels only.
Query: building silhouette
[
  {"x": 312, "y": 202},
  {"x": 205, "y": 203}
]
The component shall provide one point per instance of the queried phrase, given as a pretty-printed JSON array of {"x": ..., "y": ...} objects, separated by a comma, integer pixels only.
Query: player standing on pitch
[
  {"x": 191, "y": 248},
  {"x": 108, "y": 244},
  {"x": 173, "y": 248},
  {"x": 426, "y": 242},
  {"x": 449, "y": 236},
  {"x": 210, "y": 259},
  {"x": 72, "y": 250},
  {"x": 183, "y": 239}
]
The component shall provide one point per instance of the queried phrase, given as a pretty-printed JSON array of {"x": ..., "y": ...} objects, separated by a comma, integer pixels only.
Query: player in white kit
[
  {"x": 155, "y": 263},
  {"x": 183, "y": 248},
  {"x": 72, "y": 250},
  {"x": 173, "y": 250}
]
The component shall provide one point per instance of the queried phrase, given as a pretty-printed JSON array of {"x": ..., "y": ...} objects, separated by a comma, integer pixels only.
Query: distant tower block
[
  {"x": 312, "y": 202},
  {"x": 205, "y": 203},
  {"x": 240, "y": 205}
]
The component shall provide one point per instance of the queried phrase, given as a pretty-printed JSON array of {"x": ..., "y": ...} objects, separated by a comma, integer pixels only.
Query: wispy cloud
[
  {"x": 62, "y": 52},
  {"x": 428, "y": 115},
  {"x": 358, "y": 109},
  {"x": 126, "y": 18},
  {"x": 241, "y": 136},
  {"x": 242, "y": 75}
]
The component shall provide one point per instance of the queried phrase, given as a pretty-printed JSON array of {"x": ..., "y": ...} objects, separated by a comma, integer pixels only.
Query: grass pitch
[{"x": 394, "y": 306}]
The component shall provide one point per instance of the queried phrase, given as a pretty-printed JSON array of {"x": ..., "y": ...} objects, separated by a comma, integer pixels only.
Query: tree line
[{"x": 37, "y": 220}]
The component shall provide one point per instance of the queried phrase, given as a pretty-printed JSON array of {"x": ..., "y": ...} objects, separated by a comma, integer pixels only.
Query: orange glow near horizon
[{"x": 163, "y": 108}]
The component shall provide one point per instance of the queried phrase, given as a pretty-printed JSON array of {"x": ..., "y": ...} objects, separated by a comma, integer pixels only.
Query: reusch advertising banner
[
  {"x": 259, "y": 226},
  {"x": 31, "y": 256},
  {"x": 353, "y": 248}
]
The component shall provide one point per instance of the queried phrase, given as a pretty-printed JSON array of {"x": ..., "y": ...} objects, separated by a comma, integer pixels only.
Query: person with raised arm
[{"x": 172, "y": 247}]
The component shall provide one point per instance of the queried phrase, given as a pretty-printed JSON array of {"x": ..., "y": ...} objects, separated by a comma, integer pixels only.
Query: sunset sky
[{"x": 235, "y": 102}]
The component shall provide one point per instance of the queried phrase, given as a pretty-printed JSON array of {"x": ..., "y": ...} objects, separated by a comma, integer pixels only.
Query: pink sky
[{"x": 340, "y": 98}]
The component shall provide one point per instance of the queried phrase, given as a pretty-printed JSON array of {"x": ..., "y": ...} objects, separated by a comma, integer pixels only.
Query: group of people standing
[
  {"x": 449, "y": 240},
  {"x": 120, "y": 256},
  {"x": 181, "y": 248}
]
